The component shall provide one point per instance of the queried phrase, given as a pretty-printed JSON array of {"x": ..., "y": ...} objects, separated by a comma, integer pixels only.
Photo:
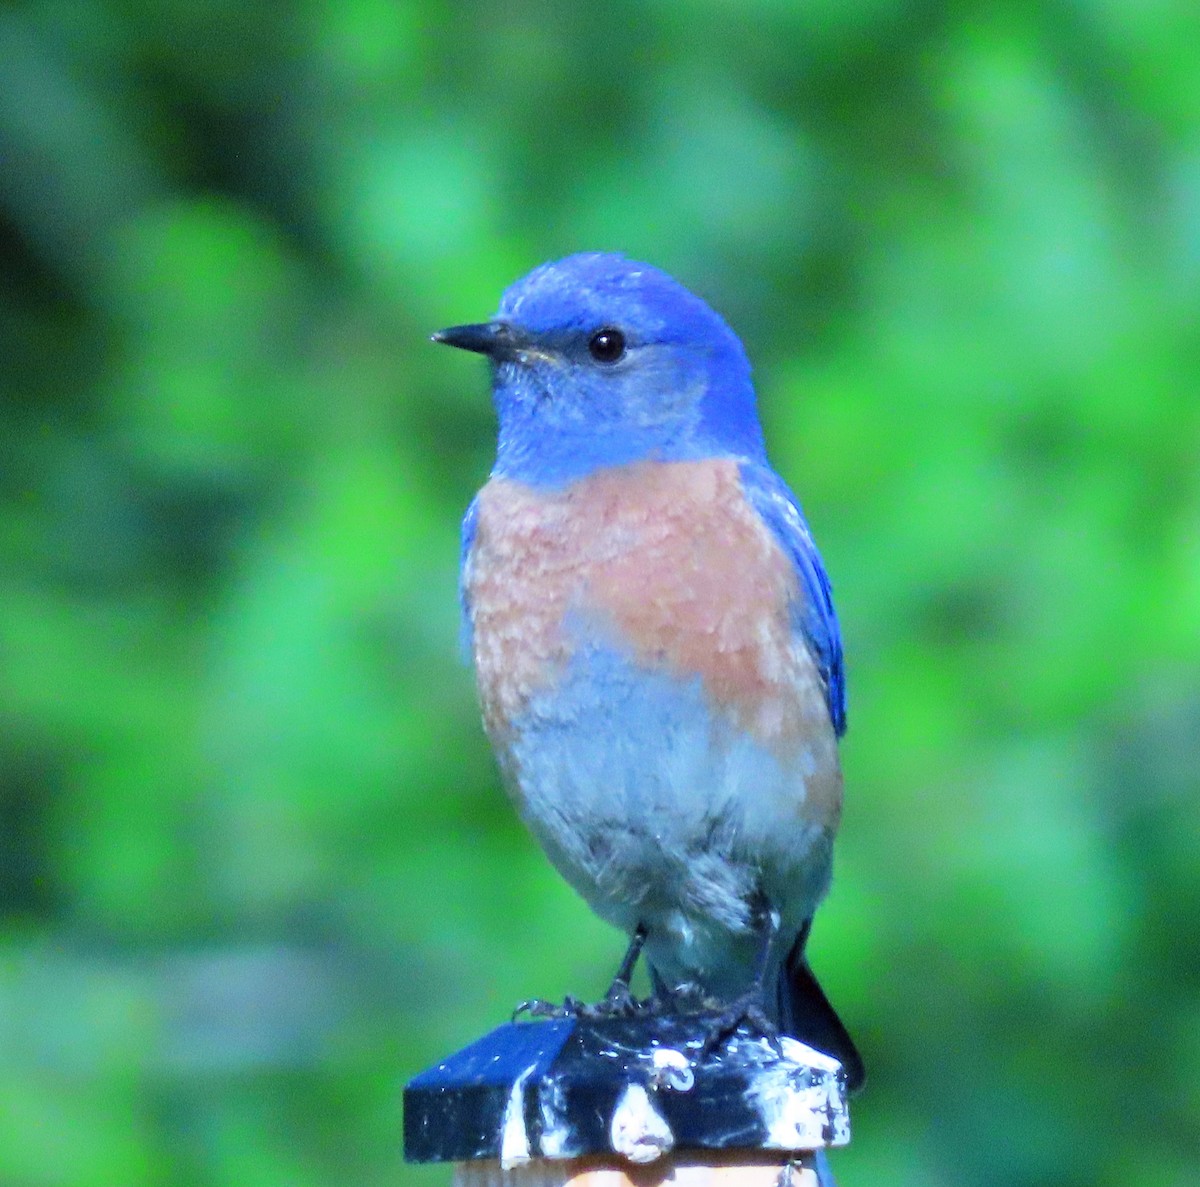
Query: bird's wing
[
  {"x": 469, "y": 524},
  {"x": 814, "y": 616}
]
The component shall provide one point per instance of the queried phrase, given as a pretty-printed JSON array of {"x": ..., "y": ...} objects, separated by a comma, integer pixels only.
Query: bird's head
[{"x": 599, "y": 361}]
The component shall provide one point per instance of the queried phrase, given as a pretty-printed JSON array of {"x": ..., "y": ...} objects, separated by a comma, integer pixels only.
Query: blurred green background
[{"x": 255, "y": 866}]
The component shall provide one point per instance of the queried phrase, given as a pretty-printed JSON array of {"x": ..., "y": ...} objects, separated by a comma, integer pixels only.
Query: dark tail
[{"x": 805, "y": 1014}]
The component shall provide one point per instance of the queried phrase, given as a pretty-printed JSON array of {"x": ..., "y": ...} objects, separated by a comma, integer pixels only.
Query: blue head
[{"x": 598, "y": 361}]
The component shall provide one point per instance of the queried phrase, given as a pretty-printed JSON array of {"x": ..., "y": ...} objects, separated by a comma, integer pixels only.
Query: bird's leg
[
  {"x": 662, "y": 996},
  {"x": 768, "y": 932},
  {"x": 751, "y": 1007},
  {"x": 618, "y": 999}
]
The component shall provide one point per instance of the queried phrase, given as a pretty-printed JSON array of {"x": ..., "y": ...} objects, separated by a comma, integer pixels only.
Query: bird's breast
[{"x": 665, "y": 561}]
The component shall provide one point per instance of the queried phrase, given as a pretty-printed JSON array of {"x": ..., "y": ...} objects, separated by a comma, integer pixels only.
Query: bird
[{"x": 657, "y": 655}]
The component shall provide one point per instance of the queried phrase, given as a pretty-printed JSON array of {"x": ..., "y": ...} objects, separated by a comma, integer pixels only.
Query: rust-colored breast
[{"x": 665, "y": 559}]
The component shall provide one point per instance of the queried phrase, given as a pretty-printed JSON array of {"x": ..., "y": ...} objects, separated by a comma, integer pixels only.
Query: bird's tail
[{"x": 805, "y": 1014}]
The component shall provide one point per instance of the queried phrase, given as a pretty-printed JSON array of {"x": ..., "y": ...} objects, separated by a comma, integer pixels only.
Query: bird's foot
[
  {"x": 537, "y": 1007},
  {"x": 749, "y": 1011},
  {"x": 686, "y": 1001},
  {"x": 624, "y": 1007},
  {"x": 617, "y": 1003}
]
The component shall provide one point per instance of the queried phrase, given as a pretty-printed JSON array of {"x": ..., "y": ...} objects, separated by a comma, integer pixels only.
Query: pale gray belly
[{"x": 660, "y": 811}]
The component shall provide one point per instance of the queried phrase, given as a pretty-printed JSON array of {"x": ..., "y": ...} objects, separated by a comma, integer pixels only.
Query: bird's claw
[
  {"x": 538, "y": 1007},
  {"x": 619, "y": 1002},
  {"x": 749, "y": 1011}
]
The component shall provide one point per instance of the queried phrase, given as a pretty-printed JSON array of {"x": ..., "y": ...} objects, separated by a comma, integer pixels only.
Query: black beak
[{"x": 493, "y": 338}]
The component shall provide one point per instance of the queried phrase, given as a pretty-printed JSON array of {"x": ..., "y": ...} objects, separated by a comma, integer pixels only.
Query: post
[
  {"x": 628, "y": 1102},
  {"x": 717, "y": 1168}
]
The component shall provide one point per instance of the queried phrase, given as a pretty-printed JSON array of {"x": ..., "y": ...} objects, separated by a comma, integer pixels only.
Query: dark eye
[{"x": 607, "y": 345}]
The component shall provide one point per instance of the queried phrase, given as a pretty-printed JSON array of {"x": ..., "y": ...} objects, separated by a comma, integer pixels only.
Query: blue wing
[
  {"x": 816, "y": 618},
  {"x": 469, "y": 523}
]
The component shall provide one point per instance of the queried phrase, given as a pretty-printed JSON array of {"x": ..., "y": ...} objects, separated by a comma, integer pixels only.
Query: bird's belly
[{"x": 662, "y": 810}]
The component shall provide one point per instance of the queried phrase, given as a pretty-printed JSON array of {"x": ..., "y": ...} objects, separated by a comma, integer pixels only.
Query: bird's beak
[{"x": 496, "y": 339}]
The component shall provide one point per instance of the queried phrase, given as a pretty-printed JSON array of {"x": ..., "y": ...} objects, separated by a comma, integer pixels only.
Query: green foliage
[{"x": 255, "y": 865}]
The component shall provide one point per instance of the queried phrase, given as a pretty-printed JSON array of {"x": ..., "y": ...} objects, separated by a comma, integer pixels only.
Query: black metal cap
[{"x": 637, "y": 1087}]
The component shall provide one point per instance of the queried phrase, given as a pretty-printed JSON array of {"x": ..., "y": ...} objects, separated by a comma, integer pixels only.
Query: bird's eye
[{"x": 607, "y": 345}]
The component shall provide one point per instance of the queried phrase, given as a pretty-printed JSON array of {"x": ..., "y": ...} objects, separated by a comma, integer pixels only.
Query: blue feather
[
  {"x": 816, "y": 618},
  {"x": 466, "y": 630}
]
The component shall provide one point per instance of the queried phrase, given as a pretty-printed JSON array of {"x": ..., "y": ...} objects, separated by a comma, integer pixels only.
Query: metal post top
[{"x": 637, "y": 1087}]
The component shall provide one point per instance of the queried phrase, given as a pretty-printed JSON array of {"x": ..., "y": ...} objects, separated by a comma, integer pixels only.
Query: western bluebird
[{"x": 656, "y": 649}]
